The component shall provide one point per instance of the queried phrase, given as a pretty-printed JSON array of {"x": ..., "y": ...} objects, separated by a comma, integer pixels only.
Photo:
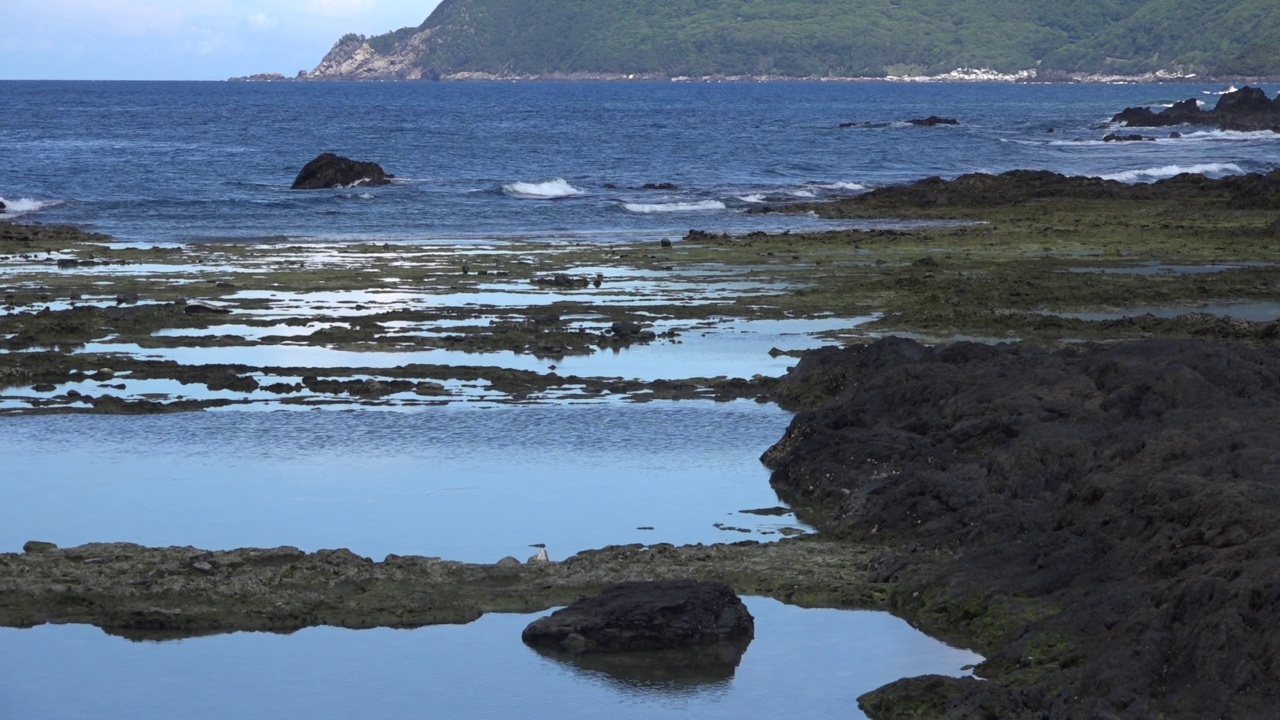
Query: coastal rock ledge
[{"x": 1098, "y": 520}]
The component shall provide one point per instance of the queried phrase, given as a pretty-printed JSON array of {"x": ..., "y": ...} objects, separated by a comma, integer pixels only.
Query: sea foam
[
  {"x": 1168, "y": 171},
  {"x": 22, "y": 206},
  {"x": 547, "y": 189},
  {"x": 700, "y": 206}
]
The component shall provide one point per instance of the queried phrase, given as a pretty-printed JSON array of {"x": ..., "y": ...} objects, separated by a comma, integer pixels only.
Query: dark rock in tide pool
[
  {"x": 560, "y": 280},
  {"x": 934, "y": 120},
  {"x": 646, "y": 616},
  {"x": 329, "y": 170},
  {"x": 659, "y": 186},
  {"x": 199, "y": 308}
]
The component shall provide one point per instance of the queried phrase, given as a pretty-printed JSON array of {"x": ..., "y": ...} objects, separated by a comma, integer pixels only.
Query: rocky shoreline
[
  {"x": 1098, "y": 518},
  {"x": 1090, "y": 507},
  {"x": 960, "y": 75}
]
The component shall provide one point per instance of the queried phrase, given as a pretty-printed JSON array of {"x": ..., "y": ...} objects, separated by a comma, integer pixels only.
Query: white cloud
[
  {"x": 262, "y": 21},
  {"x": 340, "y": 8},
  {"x": 185, "y": 39}
]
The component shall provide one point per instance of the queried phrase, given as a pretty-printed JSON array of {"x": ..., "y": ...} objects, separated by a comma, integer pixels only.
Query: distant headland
[{"x": 979, "y": 40}]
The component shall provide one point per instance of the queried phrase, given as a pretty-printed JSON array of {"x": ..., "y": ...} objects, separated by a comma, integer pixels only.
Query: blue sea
[{"x": 169, "y": 161}]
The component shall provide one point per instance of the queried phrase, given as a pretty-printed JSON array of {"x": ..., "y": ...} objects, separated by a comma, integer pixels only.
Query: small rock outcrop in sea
[
  {"x": 933, "y": 120},
  {"x": 329, "y": 170},
  {"x": 1116, "y": 137},
  {"x": 645, "y": 616},
  {"x": 1246, "y": 109}
]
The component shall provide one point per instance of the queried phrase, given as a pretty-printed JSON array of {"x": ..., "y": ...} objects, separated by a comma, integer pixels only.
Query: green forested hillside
[{"x": 836, "y": 37}]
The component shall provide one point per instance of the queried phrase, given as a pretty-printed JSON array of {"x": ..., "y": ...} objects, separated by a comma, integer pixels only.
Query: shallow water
[
  {"x": 802, "y": 664},
  {"x": 732, "y": 349},
  {"x": 464, "y": 483}
]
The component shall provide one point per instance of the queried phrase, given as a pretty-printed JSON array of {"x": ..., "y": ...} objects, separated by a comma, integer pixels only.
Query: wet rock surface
[
  {"x": 1100, "y": 518},
  {"x": 329, "y": 170},
  {"x": 646, "y": 616}
]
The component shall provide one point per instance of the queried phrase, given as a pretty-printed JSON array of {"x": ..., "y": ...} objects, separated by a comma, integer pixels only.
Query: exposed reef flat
[
  {"x": 1090, "y": 508},
  {"x": 1029, "y": 256},
  {"x": 156, "y": 593}
]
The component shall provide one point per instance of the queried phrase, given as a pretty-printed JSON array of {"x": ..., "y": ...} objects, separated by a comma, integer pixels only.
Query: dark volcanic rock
[
  {"x": 560, "y": 280},
  {"x": 644, "y": 616},
  {"x": 1245, "y": 109},
  {"x": 1019, "y": 186},
  {"x": 1116, "y": 137},
  {"x": 329, "y": 170},
  {"x": 1125, "y": 496},
  {"x": 659, "y": 186},
  {"x": 934, "y": 120}
]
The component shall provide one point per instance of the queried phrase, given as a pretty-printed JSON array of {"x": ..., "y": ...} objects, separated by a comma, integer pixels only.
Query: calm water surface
[
  {"x": 802, "y": 664},
  {"x": 463, "y": 483}
]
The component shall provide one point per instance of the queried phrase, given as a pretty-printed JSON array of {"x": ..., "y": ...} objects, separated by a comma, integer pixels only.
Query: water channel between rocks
[
  {"x": 464, "y": 483},
  {"x": 803, "y": 663}
]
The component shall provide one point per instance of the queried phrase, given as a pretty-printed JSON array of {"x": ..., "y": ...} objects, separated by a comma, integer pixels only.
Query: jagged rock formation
[{"x": 1246, "y": 109}]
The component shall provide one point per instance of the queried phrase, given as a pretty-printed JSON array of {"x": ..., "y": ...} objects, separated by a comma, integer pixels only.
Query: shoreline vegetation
[
  {"x": 836, "y": 38},
  {"x": 958, "y": 75},
  {"x": 1086, "y": 497}
]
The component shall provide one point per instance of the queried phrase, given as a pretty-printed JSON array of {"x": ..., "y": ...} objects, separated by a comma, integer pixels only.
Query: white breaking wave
[
  {"x": 700, "y": 206},
  {"x": 25, "y": 205},
  {"x": 547, "y": 189},
  {"x": 756, "y": 198},
  {"x": 802, "y": 193},
  {"x": 1168, "y": 171},
  {"x": 850, "y": 186},
  {"x": 1231, "y": 135}
]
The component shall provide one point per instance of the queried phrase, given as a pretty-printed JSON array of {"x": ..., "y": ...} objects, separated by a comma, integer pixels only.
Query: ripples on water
[{"x": 154, "y": 162}]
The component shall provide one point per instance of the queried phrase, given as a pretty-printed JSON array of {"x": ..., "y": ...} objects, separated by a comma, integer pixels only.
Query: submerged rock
[
  {"x": 643, "y": 616},
  {"x": 329, "y": 170}
]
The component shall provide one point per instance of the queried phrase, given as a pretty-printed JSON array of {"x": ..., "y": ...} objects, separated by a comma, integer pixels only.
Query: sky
[{"x": 184, "y": 39}]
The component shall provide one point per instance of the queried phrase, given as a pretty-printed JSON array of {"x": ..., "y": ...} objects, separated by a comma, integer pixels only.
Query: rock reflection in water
[{"x": 684, "y": 672}]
